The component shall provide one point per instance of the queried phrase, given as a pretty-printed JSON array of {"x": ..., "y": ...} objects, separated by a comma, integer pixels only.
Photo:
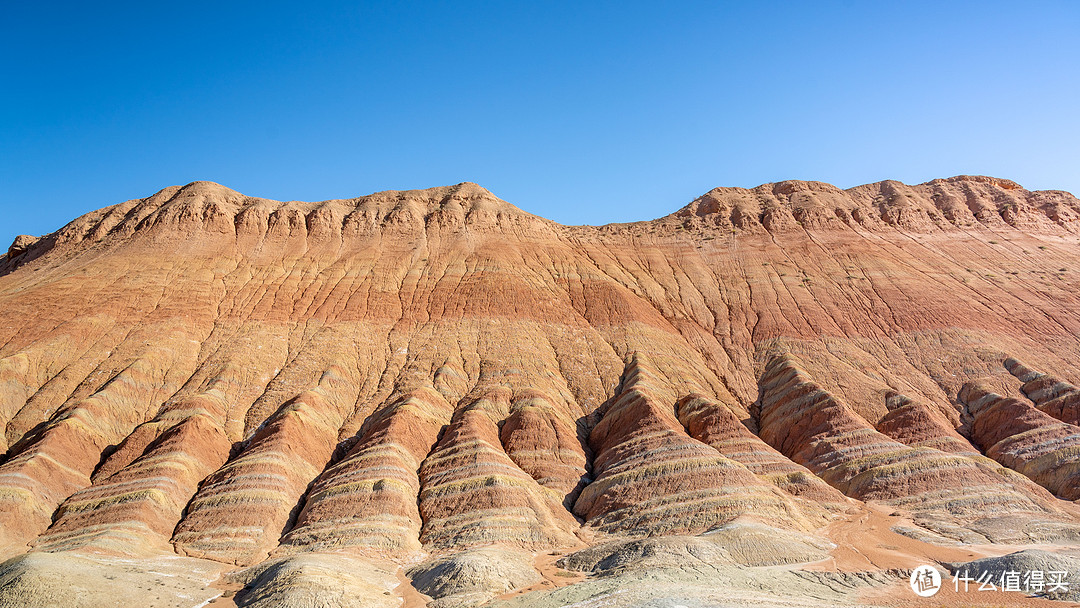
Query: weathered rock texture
[
  {"x": 242, "y": 509},
  {"x": 653, "y": 478},
  {"x": 1055, "y": 397},
  {"x": 717, "y": 426},
  {"x": 436, "y": 378},
  {"x": 917, "y": 425},
  {"x": 814, "y": 428},
  {"x": 474, "y": 494},
  {"x": 368, "y": 500},
  {"x": 1025, "y": 439}
]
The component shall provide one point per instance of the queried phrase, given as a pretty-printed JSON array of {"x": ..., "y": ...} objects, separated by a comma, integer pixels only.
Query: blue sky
[{"x": 583, "y": 112}]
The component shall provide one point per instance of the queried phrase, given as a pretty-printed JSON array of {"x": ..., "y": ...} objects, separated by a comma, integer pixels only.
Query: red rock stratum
[{"x": 436, "y": 386}]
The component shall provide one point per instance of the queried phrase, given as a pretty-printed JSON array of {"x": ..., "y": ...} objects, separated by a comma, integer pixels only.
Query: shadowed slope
[
  {"x": 1026, "y": 440},
  {"x": 474, "y": 494},
  {"x": 545, "y": 443},
  {"x": 368, "y": 501},
  {"x": 139, "y": 505},
  {"x": 653, "y": 478},
  {"x": 917, "y": 425},
  {"x": 242, "y": 509},
  {"x": 816, "y": 429},
  {"x": 1051, "y": 395},
  {"x": 58, "y": 459},
  {"x": 716, "y": 426}
]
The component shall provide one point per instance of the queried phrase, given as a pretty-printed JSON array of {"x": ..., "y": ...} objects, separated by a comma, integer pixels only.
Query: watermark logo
[
  {"x": 925, "y": 581},
  {"x": 1032, "y": 581}
]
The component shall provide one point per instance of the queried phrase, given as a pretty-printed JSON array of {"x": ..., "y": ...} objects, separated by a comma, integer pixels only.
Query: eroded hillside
[{"x": 435, "y": 386}]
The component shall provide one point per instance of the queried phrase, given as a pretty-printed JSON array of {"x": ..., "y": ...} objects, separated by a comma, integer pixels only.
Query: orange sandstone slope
[{"x": 419, "y": 372}]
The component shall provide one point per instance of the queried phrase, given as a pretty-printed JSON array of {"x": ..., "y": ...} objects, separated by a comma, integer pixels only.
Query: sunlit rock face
[{"x": 435, "y": 386}]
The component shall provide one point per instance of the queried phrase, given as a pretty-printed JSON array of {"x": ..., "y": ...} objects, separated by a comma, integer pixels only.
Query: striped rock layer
[
  {"x": 717, "y": 426},
  {"x": 652, "y": 477},
  {"x": 474, "y": 494},
  {"x": 369, "y": 499},
  {"x": 915, "y": 424},
  {"x": 1025, "y": 439},
  {"x": 243, "y": 508},
  {"x": 161, "y": 464},
  {"x": 815, "y": 428},
  {"x": 423, "y": 373},
  {"x": 1051, "y": 395}
]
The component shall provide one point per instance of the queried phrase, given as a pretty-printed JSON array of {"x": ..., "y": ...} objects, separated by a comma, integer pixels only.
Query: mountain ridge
[
  {"x": 1058, "y": 206},
  {"x": 435, "y": 386}
]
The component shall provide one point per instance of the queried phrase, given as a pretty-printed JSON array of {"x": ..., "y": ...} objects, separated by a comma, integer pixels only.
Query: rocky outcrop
[
  {"x": 814, "y": 428},
  {"x": 652, "y": 478},
  {"x": 1025, "y": 439},
  {"x": 22, "y": 250},
  {"x": 913, "y": 423},
  {"x": 938, "y": 205},
  {"x": 20, "y": 245},
  {"x": 314, "y": 580},
  {"x": 1051, "y": 395},
  {"x": 471, "y": 578}
]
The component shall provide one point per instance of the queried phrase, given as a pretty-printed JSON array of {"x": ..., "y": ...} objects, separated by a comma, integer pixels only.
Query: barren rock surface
[
  {"x": 1025, "y": 439},
  {"x": 432, "y": 396},
  {"x": 317, "y": 580},
  {"x": 1051, "y": 395}
]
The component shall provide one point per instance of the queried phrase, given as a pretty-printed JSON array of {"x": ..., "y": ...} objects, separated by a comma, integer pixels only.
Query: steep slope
[
  {"x": 817, "y": 430},
  {"x": 1051, "y": 395},
  {"x": 436, "y": 382},
  {"x": 653, "y": 478},
  {"x": 369, "y": 499},
  {"x": 1026, "y": 440},
  {"x": 243, "y": 508},
  {"x": 141, "y": 504},
  {"x": 716, "y": 426},
  {"x": 915, "y": 424},
  {"x": 474, "y": 494}
]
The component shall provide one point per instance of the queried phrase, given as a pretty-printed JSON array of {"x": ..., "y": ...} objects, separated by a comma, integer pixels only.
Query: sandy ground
[
  {"x": 229, "y": 589},
  {"x": 554, "y": 576},
  {"x": 410, "y": 597},
  {"x": 865, "y": 541}
]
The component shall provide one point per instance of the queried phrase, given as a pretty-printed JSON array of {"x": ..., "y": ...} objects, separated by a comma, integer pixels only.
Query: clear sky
[{"x": 583, "y": 112}]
